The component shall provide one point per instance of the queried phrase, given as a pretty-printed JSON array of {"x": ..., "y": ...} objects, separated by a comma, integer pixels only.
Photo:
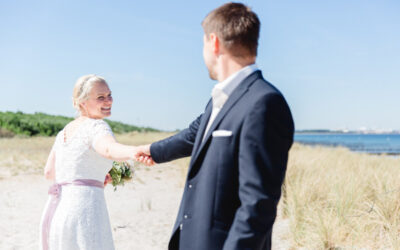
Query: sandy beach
[{"x": 142, "y": 212}]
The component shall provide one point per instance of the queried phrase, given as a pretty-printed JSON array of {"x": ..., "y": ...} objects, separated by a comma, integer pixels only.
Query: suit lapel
[
  {"x": 234, "y": 97},
  {"x": 202, "y": 128}
]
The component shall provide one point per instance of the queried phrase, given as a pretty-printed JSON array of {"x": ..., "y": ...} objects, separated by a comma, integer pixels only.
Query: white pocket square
[{"x": 219, "y": 133}]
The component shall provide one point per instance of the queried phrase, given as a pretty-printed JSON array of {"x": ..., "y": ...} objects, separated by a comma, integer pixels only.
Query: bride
[{"x": 76, "y": 215}]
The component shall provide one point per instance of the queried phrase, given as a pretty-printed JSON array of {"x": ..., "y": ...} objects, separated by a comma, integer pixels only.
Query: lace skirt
[{"x": 80, "y": 221}]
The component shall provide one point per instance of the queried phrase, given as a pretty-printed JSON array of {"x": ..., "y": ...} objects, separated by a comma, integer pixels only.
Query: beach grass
[
  {"x": 28, "y": 155},
  {"x": 23, "y": 155},
  {"x": 338, "y": 199}
]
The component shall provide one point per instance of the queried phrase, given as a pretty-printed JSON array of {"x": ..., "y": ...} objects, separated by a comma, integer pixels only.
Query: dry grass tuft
[
  {"x": 23, "y": 155},
  {"x": 337, "y": 199},
  {"x": 4, "y": 133}
]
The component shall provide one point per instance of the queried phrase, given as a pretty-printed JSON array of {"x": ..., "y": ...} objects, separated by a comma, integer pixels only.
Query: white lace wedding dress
[{"x": 81, "y": 219}]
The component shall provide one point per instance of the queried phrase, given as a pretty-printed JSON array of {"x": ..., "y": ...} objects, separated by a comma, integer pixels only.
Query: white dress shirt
[{"x": 224, "y": 89}]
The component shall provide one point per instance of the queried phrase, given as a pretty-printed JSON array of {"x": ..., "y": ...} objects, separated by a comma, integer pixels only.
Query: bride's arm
[
  {"x": 49, "y": 169},
  {"x": 109, "y": 148}
]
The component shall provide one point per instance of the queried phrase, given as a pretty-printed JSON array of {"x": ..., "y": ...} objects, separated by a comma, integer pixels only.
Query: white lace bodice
[{"x": 76, "y": 158}]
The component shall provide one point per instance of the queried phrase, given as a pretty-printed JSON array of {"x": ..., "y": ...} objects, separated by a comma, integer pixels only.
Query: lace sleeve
[{"x": 100, "y": 129}]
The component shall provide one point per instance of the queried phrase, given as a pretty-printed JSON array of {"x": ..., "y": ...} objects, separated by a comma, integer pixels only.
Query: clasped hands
[{"x": 142, "y": 154}]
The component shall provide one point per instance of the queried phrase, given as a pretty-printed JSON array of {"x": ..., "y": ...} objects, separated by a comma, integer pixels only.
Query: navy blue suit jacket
[{"x": 234, "y": 182}]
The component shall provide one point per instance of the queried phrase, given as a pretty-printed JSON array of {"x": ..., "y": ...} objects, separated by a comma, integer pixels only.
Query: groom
[{"x": 238, "y": 146}]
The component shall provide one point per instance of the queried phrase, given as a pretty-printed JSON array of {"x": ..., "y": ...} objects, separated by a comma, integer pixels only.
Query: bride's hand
[
  {"x": 146, "y": 160},
  {"x": 108, "y": 179},
  {"x": 142, "y": 154}
]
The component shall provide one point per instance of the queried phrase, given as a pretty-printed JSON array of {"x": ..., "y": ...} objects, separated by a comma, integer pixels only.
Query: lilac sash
[{"x": 55, "y": 191}]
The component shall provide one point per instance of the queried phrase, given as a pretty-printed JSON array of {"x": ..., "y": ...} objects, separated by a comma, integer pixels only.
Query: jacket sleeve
[
  {"x": 176, "y": 146},
  {"x": 266, "y": 137}
]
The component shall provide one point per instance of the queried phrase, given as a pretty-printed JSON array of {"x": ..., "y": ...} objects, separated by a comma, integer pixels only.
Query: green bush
[{"x": 49, "y": 125}]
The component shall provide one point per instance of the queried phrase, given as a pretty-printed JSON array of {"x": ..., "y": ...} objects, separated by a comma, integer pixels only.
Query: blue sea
[{"x": 369, "y": 143}]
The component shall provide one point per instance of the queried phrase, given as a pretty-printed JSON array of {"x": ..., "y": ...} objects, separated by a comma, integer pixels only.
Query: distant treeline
[
  {"x": 320, "y": 131},
  {"x": 18, "y": 123},
  {"x": 306, "y": 131}
]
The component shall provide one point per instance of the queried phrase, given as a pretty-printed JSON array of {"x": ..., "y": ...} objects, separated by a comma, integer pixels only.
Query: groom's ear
[{"x": 215, "y": 43}]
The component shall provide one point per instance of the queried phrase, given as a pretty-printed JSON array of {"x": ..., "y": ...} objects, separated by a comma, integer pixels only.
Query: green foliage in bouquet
[{"x": 120, "y": 172}]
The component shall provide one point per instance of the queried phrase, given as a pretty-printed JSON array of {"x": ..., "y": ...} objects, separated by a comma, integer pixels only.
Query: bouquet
[{"x": 120, "y": 172}]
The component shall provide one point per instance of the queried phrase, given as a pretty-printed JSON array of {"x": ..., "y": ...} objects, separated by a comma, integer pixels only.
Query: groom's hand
[{"x": 143, "y": 155}]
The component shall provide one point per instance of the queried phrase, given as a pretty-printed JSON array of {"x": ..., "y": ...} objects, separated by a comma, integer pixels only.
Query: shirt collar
[{"x": 229, "y": 84}]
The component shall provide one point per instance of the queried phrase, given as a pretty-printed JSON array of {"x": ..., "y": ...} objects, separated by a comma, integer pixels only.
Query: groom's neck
[{"x": 229, "y": 65}]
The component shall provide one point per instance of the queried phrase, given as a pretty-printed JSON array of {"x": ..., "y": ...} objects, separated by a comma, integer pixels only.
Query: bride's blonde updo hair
[{"x": 82, "y": 89}]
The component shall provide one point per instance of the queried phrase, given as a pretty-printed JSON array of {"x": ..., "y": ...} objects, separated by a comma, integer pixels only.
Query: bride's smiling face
[{"x": 99, "y": 103}]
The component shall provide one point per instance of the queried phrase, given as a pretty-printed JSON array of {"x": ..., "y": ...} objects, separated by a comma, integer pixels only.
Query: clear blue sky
[{"x": 336, "y": 62}]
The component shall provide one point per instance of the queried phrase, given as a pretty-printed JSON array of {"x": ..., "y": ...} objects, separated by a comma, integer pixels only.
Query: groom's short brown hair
[{"x": 237, "y": 27}]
